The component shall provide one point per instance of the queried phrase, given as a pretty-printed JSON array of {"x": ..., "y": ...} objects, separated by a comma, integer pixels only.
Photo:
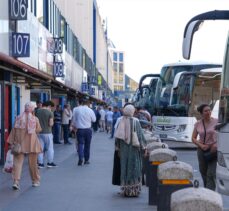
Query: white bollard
[
  {"x": 172, "y": 176},
  {"x": 198, "y": 199}
]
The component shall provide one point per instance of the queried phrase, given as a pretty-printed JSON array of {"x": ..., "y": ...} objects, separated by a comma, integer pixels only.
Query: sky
[{"x": 150, "y": 32}]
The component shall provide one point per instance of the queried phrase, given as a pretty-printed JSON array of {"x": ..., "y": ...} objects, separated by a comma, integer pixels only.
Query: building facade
[{"x": 50, "y": 49}]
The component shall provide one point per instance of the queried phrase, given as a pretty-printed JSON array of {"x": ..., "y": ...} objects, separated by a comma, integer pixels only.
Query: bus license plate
[{"x": 163, "y": 135}]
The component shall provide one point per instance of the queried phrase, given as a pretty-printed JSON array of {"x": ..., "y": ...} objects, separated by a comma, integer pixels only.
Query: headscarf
[
  {"x": 123, "y": 130},
  {"x": 26, "y": 120}
]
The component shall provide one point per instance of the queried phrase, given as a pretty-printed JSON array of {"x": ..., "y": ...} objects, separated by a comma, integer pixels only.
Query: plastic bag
[{"x": 9, "y": 162}]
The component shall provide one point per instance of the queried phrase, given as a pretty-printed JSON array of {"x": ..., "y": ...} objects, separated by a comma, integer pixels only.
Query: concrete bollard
[
  {"x": 172, "y": 176},
  {"x": 150, "y": 147},
  {"x": 198, "y": 199},
  {"x": 157, "y": 157},
  {"x": 149, "y": 137}
]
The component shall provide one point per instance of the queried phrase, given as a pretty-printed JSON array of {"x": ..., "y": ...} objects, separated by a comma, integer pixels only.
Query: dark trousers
[
  {"x": 84, "y": 141},
  {"x": 65, "y": 133},
  {"x": 56, "y": 132},
  {"x": 207, "y": 171},
  {"x": 113, "y": 129}
]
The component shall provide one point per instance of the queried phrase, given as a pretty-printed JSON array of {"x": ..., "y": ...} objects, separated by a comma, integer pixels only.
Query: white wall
[{"x": 4, "y": 27}]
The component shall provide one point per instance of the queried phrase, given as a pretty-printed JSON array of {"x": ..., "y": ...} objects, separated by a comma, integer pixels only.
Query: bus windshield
[{"x": 183, "y": 99}]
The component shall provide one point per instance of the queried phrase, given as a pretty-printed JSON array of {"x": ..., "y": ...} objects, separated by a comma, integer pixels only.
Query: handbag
[
  {"x": 208, "y": 155},
  {"x": 16, "y": 148},
  {"x": 135, "y": 141}
]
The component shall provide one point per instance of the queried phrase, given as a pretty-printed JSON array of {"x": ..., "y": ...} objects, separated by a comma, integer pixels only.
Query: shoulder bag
[
  {"x": 208, "y": 155},
  {"x": 135, "y": 141},
  {"x": 15, "y": 148}
]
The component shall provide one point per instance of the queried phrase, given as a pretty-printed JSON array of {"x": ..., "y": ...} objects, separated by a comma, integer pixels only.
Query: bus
[
  {"x": 145, "y": 94},
  {"x": 180, "y": 89},
  {"x": 222, "y": 171}
]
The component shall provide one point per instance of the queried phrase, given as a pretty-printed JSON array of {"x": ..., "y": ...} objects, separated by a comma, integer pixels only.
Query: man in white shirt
[
  {"x": 82, "y": 118},
  {"x": 102, "y": 119},
  {"x": 109, "y": 117}
]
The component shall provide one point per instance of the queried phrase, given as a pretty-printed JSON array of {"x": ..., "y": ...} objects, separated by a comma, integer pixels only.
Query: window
[
  {"x": 121, "y": 57},
  {"x": 115, "y": 77},
  {"x": 115, "y": 66},
  {"x": 120, "y": 78},
  {"x": 115, "y": 56},
  {"x": 40, "y": 10},
  {"x": 120, "y": 67}
]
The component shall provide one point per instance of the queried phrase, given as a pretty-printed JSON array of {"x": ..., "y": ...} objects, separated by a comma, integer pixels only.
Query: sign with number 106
[
  {"x": 18, "y": 9},
  {"x": 20, "y": 44}
]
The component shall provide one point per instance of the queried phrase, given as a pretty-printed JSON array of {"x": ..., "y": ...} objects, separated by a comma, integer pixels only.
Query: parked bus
[
  {"x": 145, "y": 94},
  {"x": 180, "y": 89},
  {"x": 222, "y": 172}
]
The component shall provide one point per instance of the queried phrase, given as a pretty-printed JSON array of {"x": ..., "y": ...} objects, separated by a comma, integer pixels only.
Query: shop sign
[
  {"x": 99, "y": 80},
  {"x": 20, "y": 44},
  {"x": 92, "y": 91},
  {"x": 18, "y": 9},
  {"x": 84, "y": 87},
  {"x": 58, "y": 69},
  {"x": 55, "y": 45}
]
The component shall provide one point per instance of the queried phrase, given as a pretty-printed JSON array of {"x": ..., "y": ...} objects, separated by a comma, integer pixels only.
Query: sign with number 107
[
  {"x": 20, "y": 45},
  {"x": 18, "y": 9}
]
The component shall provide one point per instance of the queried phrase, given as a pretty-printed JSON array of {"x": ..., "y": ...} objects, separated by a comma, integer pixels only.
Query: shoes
[
  {"x": 80, "y": 162},
  {"x": 41, "y": 166},
  {"x": 57, "y": 143},
  {"x": 51, "y": 165},
  {"x": 68, "y": 143},
  {"x": 87, "y": 162},
  {"x": 16, "y": 186},
  {"x": 36, "y": 184}
]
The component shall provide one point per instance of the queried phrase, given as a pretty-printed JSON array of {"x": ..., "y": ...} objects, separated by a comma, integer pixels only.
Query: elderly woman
[
  {"x": 24, "y": 133},
  {"x": 204, "y": 137},
  {"x": 129, "y": 141}
]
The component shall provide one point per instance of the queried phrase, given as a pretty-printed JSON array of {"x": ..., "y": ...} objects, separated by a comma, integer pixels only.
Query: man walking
[
  {"x": 57, "y": 125},
  {"x": 45, "y": 117},
  {"x": 82, "y": 118}
]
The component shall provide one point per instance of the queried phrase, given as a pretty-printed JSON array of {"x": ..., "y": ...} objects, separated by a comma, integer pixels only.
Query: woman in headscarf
[
  {"x": 129, "y": 148},
  {"x": 24, "y": 133}
]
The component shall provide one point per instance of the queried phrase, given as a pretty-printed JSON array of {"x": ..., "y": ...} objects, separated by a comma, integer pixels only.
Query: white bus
[
  {"x": 180, "y": 89},
  {"x": 145, "y": 94},
  {"x": 222, "y": 172}
]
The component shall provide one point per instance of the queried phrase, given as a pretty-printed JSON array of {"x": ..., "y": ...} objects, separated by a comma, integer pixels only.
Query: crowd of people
[{"x": 36, "y": 130}]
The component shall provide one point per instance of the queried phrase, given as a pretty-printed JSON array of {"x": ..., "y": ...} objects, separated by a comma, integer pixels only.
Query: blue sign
[
  {"x": 58, "y": 69},
  {"x": 92, "y": 91},
  {"x": 84, "y": 87},
  {"x": 20, "y": 44},
  {"x": 18, "y": 9},
  {"x": 58, "y": 45}
]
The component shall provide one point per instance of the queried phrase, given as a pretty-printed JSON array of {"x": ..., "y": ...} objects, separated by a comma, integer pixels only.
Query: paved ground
[{"x": 70, "y": 187}]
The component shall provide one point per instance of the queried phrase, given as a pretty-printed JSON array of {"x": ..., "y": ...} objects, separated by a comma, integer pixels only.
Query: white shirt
[
  {"x": 66, "y": 116},
  {"x": 82, "y": 117},
  {"x": 102, "y": 114},
  {"x": 109, "y": 116}
]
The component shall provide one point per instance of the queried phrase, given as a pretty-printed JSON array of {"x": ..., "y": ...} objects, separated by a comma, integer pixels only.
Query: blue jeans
[
  {"x": 46, "y": 141},
  {"x": 66, "y": 133},
  {"x": 56, "y": 132},
  {"x": 84, "y": 141}
]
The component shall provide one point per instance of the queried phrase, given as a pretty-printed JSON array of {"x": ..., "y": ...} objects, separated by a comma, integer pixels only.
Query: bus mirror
[{"x": 190, "y": 29}]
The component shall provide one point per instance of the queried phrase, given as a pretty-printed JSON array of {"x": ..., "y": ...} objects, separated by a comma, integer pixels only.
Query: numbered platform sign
[
  {"x": 18, "y": 9},
  {"x": 20, "y": 44},
  {"x": 58, "y": 69}
]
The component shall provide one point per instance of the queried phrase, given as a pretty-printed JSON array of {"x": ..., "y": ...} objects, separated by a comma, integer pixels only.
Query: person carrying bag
[{"x": 206, "y": 145}]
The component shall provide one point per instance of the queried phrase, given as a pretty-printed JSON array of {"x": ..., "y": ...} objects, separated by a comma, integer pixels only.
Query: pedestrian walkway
[{"x": 71, "y": 187}]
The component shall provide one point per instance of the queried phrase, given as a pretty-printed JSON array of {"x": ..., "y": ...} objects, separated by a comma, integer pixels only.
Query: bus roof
[{"x": 190, "y": 63}]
